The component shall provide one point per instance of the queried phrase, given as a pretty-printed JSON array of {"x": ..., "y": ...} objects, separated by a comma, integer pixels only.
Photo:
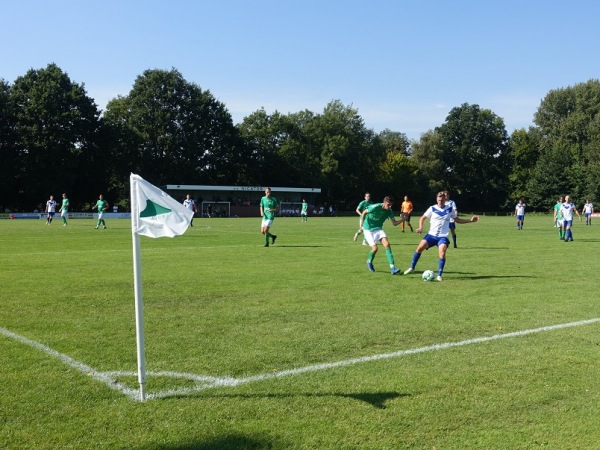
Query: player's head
[
  {"x": 367, "y": 195},
  {"x": 64, "y": 195},
  {"x": 567, "y": 198},
  {"x": 267, "y": 191},
  {"x": 388, "y": 202},
  {"x": 101, "y": 196},
  {"x": 406, "y": 198},
  {"x": 441, "y": 197}
]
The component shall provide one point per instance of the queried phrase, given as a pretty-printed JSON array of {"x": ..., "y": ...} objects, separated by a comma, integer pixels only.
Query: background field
[{"x": 219, "y": 304}]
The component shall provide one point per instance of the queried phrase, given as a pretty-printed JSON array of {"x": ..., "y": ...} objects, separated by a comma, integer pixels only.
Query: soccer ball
[{"x": 428, "y": 275}]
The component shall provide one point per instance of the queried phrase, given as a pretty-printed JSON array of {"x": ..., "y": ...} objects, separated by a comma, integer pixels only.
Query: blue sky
[{"x": 403, "y": 65}]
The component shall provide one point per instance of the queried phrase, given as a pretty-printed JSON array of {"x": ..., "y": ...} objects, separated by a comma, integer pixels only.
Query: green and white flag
[{"x": 154, "y": 213}]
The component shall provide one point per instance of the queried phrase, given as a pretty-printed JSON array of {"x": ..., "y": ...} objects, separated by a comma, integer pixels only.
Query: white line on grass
[{"x": 206, "y": 382}]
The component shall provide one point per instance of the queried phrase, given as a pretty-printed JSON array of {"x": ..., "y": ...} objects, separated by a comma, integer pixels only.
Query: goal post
[
  {"x": 290, "y": 209},
  {"x": 216, "y": 209}
]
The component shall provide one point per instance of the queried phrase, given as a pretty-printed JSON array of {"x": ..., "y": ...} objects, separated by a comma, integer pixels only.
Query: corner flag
[{"x": 154, "y": 214}]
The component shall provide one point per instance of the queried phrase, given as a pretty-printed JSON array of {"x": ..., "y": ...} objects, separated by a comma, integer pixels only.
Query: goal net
[
  {"x": 290, "y": 209},
  {"x": 216, "y": 209}
]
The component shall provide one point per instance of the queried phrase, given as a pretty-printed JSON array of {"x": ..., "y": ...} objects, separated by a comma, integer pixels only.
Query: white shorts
[
  {"x": 64, "y": 214},
  {"x": 100, "y": 215},
  {"x": 372, "y": 237},
  {"x": 266, "y": 223},
  {"x": 560, "y": 223}
]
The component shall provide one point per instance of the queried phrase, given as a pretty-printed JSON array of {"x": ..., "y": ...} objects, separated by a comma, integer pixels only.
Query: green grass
[{"x": 217, "y": 303}]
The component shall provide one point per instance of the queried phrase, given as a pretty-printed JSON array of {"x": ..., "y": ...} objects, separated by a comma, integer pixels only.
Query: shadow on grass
[
  {"x": 472, "y": 276},
  {"x": 376, "y": 399},
  {"x": 230, "y": 442}
]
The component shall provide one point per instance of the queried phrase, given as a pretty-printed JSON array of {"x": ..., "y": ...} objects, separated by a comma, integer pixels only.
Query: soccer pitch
[{"x": 298, "y": 345}]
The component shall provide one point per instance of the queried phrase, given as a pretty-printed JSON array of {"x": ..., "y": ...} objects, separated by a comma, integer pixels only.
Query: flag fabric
[{"x": 154, "y": 213}]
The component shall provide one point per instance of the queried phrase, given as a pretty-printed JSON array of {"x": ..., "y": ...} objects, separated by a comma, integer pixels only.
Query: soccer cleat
[
  {"x": 394, "y": 270},
  {"x": 355, "y": 236},
  {"x": 273, "y": 237},
  {"x": 365, "y": 243},
  {"x": 439, "y": 278},
  {"x": 104, "y": 227},
  {"x": 409, "y": 270},
  {"x": 96, "y": 227},
  {"x": 266, "y": 245},
  {"x": 370, "y": 266}
]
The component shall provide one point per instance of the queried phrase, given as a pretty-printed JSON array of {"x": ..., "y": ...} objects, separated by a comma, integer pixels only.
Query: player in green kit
[
  {"x": 304, "y": 211},
  {"x": 64, "y": 209},
  {"x": 362, "y": 206},
  {"x": 102, "y": 206},
  {"x": 371, "y": 223},
  {"x": 559, "y": 220},
  {"x": 268, "y": 207}
]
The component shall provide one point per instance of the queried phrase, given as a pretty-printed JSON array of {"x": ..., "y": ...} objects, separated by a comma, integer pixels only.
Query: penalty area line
[{"x": 208, "y": 382}]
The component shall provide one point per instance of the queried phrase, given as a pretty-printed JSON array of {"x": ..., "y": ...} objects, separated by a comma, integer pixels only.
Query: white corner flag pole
[{"x": 137, "y": 287}]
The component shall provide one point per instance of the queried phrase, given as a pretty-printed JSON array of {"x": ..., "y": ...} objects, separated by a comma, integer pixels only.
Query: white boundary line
[{"x": 206, "y": 382}]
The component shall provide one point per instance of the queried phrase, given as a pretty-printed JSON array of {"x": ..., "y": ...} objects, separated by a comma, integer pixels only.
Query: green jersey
[
  {"x": 376, "y": 217},
  {"x": 363, "y": 205},
  {"x": 558, "y": 209},
  {"x": 304, "y": 208},
  {"x": 269, "y": 203},
  {"x": 65, "y": 205},
  {"x": 102, "y": 205}
]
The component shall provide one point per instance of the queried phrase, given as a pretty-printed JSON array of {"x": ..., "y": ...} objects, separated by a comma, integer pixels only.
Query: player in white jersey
[
  {"x": 452, "y": 224},
  {"x": 50, "y": 209},
  {"x": 439, "y": 216},
  {"x": 568, "y": 208},
  {"x": 520, "y": 213},
  {"x": 588, "y": 210},
  {"x": 190, "y": 204}
]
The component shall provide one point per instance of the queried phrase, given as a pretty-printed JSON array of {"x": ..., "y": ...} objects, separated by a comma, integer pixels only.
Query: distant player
[
  {"x": 439, "y": 216},
  {"x": 588, "y": 210},
  {"x": 371, "y": 221},
  {"x": 268, "y": 207},
  {"x": 102, "y": 206},
  {"x": 362, "y": 206},
  {"x": 406, "y": 211},
  {"x": 190, "y": 204},
  {"x": 50, "y": 209},
  {"x": 452, "y": 224},
  {"x": 64, "y": 209},
  {"x": 520, "y": 213},
  {"x": 559, "y": 220},
  {"x": 304, "y": 211},
  {"x": 568, "y": 208}
]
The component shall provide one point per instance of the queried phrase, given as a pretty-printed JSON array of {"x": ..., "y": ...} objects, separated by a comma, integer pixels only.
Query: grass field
[{"x": 298, "y": 345}]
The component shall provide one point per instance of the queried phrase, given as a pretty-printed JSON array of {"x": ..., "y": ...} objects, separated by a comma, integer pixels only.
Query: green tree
[
  {"x": 350, "y": 154},
  {"x": 476, "y": 158},
  {"x": 569, "y": 118},
  {"x": 177, "y": 132},
  {"x": 552, "y": 176},
  {"x": 58, "y": 127},
  {"x": 10, "y": 169},
  {"x": 427, "y": 155},
  {"x": 524, "y": 150}
]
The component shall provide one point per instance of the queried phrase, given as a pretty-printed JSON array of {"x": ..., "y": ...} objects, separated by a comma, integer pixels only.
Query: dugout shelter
[{"x": 239, "y": 201}]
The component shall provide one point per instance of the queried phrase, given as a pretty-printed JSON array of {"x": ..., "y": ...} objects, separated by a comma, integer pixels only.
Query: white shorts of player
[
  {"x": 560, "y": 223},
  {"x": 372, "y": 237},
  {"x": 266, "y": 223},
  {"x": 100, "y": 215},
  {"x": 64, "y": 214}
]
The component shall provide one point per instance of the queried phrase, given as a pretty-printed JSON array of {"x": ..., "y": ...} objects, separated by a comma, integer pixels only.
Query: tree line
[{"x": 54, "y": 139}]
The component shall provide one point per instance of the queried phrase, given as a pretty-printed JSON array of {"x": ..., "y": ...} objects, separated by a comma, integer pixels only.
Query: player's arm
[
  {"x": 362, "y": 218},
  {"x": 471, "y": 220},
  {"x": 422, "y": 220}
]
